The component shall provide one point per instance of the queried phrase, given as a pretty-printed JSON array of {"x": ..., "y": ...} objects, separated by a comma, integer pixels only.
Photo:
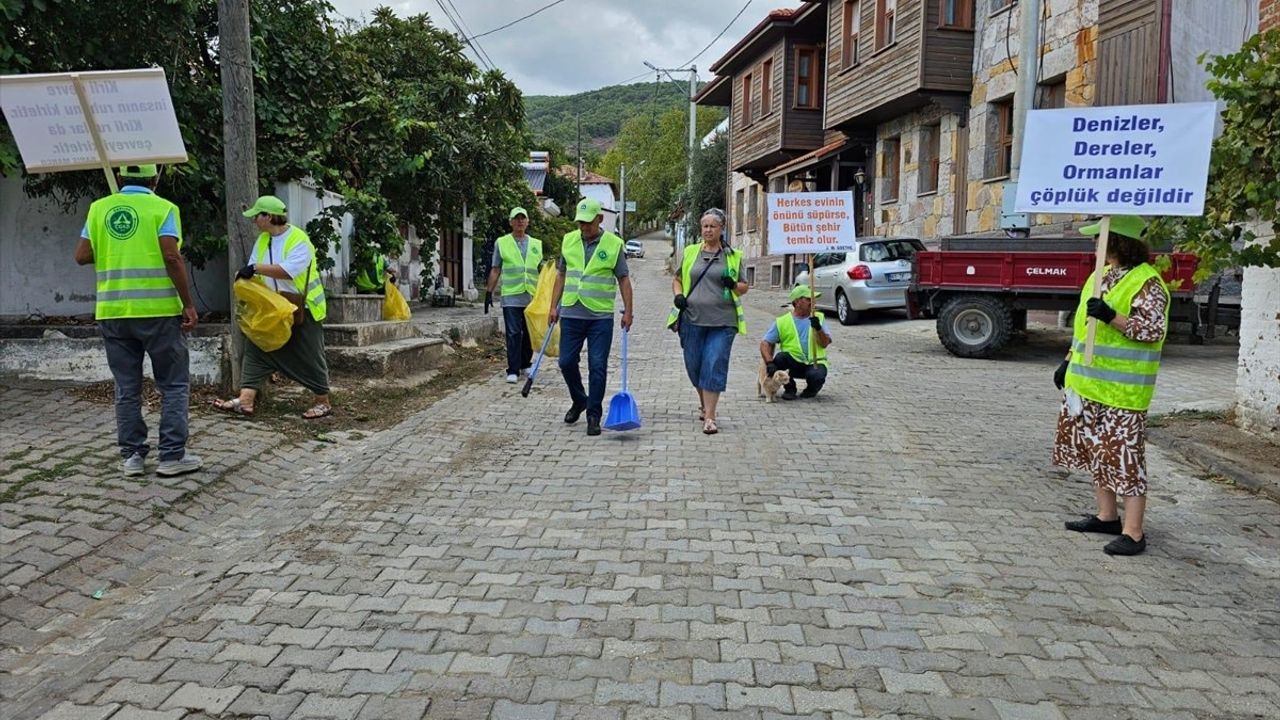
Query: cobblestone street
[{"x": 892, "y": 549}]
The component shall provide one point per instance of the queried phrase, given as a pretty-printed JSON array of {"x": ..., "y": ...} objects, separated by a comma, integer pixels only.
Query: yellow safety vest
[
  {"x": 519, "y": 273},
  {"x": 1123, "y": 373},
  {"x": 590, "y": 280},
  {"x": 789, "y": 340},
  {"x": 364, "y": 282},
  {"x": 308, "y": 284},
  {"x": 734, "y": 261},
  {"x": 132, "y": 282}
]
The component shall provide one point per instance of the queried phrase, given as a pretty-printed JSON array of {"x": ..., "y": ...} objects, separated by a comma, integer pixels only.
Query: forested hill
[{"x": 554, "y": 117}]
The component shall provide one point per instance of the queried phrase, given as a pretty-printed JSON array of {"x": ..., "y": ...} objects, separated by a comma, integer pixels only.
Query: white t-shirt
[{"x": 295, "y": 263}]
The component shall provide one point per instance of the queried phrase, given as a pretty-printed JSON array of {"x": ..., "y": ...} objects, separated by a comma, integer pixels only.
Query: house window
[
  {"x": 930, "y": 157},
  {"x": 766, "y": 87},
  {"x": 852, "y": 23},
  {"x": 751, "y": 210},
  {"x": 886, "y": 22},
  {"x": 891, "y": 159},
  {"x": 751, "y": 276},
  {"x": 737, "y": 211},
  {"x": 1053, "y": 95},
  {"x": 775, "y": 276},
  {"x": 807, "y": 78},
  {"x": 957, "y": 14},
  {"x": 999, "y": 139},
  {"x": 998, "y": 5},
  {"x": 746, "y": 100}
]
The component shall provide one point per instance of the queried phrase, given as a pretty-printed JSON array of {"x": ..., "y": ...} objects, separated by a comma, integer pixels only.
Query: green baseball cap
[
  {"x": 802, "y": 291},
  {"x": 588, "y": 210},
  {"x": 517, "y": 211},
  {"x": 139, "y": 171},
  {"x": 269, "y": 204},
  {"x": 1126, "y": 225}
]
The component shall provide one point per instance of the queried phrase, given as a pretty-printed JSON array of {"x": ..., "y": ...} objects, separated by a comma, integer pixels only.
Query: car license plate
[{"x": 899, "y": 276}]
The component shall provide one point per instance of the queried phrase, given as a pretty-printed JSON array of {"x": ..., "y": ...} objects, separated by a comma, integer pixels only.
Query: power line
[
  {"x": 456, "y": 26},
  {"x": 713, "y": 42},
  {"x": 467, "y": 29},
  {"x": 513, "y": 22}
]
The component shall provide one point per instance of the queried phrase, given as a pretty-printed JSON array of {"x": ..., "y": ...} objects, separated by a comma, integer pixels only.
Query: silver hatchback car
[{"x": 873, "y": 277}]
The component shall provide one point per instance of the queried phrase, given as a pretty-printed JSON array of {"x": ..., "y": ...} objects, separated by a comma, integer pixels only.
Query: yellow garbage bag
[
  {"x": 535, "y": 316},
  {"x": 394, "y": 306},
  {"x": 264, "y": 315}
]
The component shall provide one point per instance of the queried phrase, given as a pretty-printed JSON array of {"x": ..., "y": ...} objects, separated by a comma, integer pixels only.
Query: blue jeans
[
  {"x": 161, "y": 339},
  {"x": 706, "y": 355},
  {"x": 598, "y": 335},
  {"x": 519, "y": 353}
]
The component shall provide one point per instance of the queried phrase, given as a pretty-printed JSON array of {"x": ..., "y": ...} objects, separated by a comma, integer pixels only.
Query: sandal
[
  {"x": 709, "y": 427},
  {"x": 317, "y": 411},
  {"x": 702, "y": 415},
  {"x": 232, "y": 406}
]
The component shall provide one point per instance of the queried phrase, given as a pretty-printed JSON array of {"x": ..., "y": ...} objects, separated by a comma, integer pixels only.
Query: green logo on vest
[
  {"x": 122, "y": 222},
  {"x": 602, "y": 254}
]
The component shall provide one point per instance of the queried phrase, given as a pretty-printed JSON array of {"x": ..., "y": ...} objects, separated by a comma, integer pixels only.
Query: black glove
[
  {"x": 246, "y": 272},
  {"x": 1060, "y": 375},
  {"x": 1097, "y": 308},
  {"x": 770, "y": 369},
  {"x": 728, "y": 282},
  {"x": 815, "y": 323},
  {"x": 681, "y": 302}
]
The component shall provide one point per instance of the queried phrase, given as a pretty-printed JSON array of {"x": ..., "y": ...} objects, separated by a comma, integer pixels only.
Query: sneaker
[
  {"x": 1091, "y": 524},
  {"x": 789, "y": 394},
  {"x": 512, "y": 378},
  {"x": 593, "y": 425},
  {"x": 186, "y": 464},
  {"x": 1125, "y": 545},
  {"x": 134, "y": 465},
  {"x": 809, "y": 393}
]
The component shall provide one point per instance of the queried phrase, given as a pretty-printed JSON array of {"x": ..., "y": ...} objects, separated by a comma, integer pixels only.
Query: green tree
[
  {"x": 710, "y": 166},
  {"x": 1244, "y": 168}
]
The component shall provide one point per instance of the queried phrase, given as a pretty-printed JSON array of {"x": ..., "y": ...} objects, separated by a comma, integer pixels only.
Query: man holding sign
[
  {"x": 133, "y": 239},
  {"x": 1102, "y": 426}
]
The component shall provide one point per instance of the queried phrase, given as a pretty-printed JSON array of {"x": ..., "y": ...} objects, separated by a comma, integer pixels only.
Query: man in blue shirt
[{"x": 798, "y": 356}]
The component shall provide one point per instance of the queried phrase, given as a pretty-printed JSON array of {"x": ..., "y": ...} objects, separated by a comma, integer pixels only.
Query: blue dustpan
[{"x": 623, "y": 413}]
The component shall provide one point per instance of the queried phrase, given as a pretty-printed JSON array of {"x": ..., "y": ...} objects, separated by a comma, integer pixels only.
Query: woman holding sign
[
  {"x": 707, "y": 313},
  {"x": 1102, "y": 427}
]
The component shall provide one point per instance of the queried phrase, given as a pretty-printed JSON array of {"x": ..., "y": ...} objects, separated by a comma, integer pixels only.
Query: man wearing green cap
[
  {"x": 1102, "y": 425},
  {"x": 285, "y": 261},
  {"x": 134, "y": 241},
  {"x": 801, "y": 356},
  {"x": 516, "y": 260},
  {"x": 593, "y": 268}
]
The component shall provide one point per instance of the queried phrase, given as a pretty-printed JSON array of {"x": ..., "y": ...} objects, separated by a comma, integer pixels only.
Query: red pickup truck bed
[{"x": 980, "y": 297}]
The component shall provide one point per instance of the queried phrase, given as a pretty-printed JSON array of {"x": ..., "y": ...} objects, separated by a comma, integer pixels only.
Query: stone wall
[
  {"x": 926, "y": 214},
  {"x": 1269, "y": 14}
]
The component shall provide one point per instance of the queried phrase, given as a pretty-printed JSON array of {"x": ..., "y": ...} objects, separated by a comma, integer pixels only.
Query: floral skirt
[{"x": 1108, "y": 442}]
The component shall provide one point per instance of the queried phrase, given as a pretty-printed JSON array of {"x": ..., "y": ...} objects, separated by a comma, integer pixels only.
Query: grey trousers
[{"x": 161, "y": 339}]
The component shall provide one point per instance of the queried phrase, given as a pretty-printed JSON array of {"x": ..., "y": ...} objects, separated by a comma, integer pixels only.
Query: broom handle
[{"x": 625, "y": 333}]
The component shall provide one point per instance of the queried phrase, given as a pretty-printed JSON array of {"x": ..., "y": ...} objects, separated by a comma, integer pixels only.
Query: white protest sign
[
  {"x": 810, "y": 222},
  {"x": 131, "y": 109},
  {"x": 1131, "y": 159}
]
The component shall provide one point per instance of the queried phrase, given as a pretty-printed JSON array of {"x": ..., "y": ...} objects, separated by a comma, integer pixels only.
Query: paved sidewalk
[{"x": 892, "y": 549}]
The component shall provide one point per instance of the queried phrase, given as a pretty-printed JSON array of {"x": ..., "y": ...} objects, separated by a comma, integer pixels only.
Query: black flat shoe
[
  {"x": 1092, "y": 524},
  {"x": 788, "y": 394},
  {"x": 1125, "y": 545},
  {"x": 593, "y": 425},
  {"x": 575, "y": 412}
]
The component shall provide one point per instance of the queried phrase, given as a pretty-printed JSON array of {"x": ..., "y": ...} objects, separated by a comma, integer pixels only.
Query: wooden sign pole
[
  {"x": 1100, "y": 263},
  {"x": 813, "y": 307},
  {"x": 92, "y": 125}
]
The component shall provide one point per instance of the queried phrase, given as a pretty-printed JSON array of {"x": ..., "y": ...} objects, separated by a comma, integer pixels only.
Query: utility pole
[
  {"x": 239, "y": 150},
  {"x": 1024, "y": 98},
  {"x": 622, "y": 209},
  {"x": 693, "y": 128},
  {"x": 575, "y": 201}
]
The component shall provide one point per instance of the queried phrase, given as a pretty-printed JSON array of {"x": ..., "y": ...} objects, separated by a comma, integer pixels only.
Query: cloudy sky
[{"x": 585, "y": 44}]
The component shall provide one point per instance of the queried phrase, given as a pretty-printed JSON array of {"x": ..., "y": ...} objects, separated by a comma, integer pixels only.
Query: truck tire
[{"x": 974, "y": 326}]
